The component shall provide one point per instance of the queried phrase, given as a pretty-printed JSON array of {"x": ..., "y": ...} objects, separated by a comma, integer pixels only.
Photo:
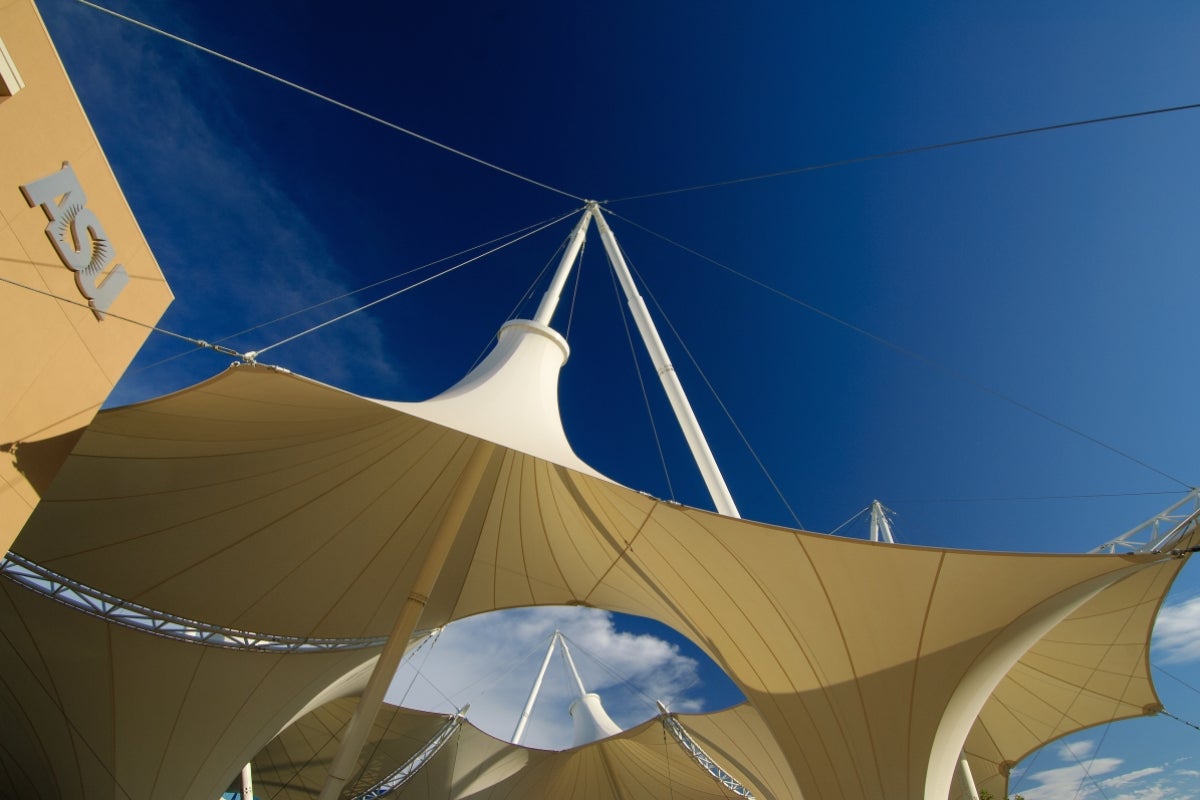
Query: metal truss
[
  {"x": 702, "y": 758},
  {"x": 414, "y": 765},
  {"x": 112, "y": 609},
  {"x": 1160, "y": 531}
]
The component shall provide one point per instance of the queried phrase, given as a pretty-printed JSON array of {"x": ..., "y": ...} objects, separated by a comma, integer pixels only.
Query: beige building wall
[{"x": 64, "y": 260}]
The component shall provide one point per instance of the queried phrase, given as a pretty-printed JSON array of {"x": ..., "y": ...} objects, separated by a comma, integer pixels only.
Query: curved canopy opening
[{"x": 631, "y": 662}]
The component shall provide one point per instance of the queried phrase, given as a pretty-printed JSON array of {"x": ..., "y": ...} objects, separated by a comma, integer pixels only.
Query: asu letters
[{"x": 78, "y": 237}]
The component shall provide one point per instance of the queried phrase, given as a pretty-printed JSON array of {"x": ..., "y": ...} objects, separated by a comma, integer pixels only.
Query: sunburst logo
[{"x": 78, "y": 237}]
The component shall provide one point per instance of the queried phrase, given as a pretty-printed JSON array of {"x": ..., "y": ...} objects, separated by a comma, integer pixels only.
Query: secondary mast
[
  {"x": 591, "y": 721},
  {"x": 666, "y": 372},
  {"x": 701, "y": 452}
]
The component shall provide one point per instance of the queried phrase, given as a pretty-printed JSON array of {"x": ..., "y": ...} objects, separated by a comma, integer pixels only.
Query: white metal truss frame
[
  {"x": 1149, "y": 537},
  {"x": 419, "y": 759},
  {"x": 112, "y": 609},
  {"x": 702, "y": 758}
]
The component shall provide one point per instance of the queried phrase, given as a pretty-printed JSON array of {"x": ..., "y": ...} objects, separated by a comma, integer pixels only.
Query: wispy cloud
[
  {"x": 490, "y": 661},
  {"x": 1127, "y": 778},
  {"x": 1076, "y": 751},
  {"x": 1177, "y": 632},
  {"x": 1162, "y": 790},
  {"x": 1073, "y": 780},
  {"x": 1085, "y": 777},
  {"x": 237, "y": 250}
]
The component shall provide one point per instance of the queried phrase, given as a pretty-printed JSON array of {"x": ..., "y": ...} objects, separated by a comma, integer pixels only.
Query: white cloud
[
  {"x": 1085, "y": 777},
  {"x": 1129, "y": 777},
  {"x": 490, "y": 661},
  {"x": 1177, "y": 632},
  {"x": 1157, "y": 792},
  {"x": 1161, "y": 790},
  {"x": 1073, "y": 780},
  {"x": 1076, "y": 751}
]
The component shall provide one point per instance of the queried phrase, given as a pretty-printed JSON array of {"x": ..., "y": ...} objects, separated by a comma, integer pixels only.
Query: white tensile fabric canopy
[{"x": 262, "y": 501}]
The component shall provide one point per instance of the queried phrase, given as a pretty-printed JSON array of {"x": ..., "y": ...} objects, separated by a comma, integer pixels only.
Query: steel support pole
[
  {"x": 550, "y": 300},
  {"x": 533, "y": 693},
  {"x": 571, "y": 666},
  {"x": 666, "y": 373},
  {"x": 881, "y": 529},
  {"x": 410, "y": 614},
  {"x": 247, "y": 783},
  {"x": 968, "y": 780}
]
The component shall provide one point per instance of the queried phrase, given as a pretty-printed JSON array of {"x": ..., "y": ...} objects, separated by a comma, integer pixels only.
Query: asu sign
[
  {"x": 60, "y": 206},
  {"x": 78, "y": 237}
]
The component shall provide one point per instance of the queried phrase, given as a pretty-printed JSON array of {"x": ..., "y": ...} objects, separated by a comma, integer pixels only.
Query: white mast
[
  {"x": 247, "y": 783},
  {"x": 968, "y": 780},
  {"x": 591, "y": 721},
  {"x": 571, "y": 667},
  {"x": 666, "y": 372},
  {"x": 881, "y": 529},
  {"x": 550, "y": 299},
  {"x": 519, "y": 731}
]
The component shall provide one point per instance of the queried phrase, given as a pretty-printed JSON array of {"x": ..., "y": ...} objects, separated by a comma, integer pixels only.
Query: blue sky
[{"x": 1057, "y": 270}]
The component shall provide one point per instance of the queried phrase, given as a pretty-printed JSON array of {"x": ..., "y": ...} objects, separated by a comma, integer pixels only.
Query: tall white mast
[
  {"x": 591, "y": 721},
  {"x": 550, "y": 300},
  {"x": 881, "y": 529},
  {"x": 571, "y": 667},
  {"x": 247, "y": 782},
  {"x": 666, "y": 372},
  {"x": 519, "y": 731}
]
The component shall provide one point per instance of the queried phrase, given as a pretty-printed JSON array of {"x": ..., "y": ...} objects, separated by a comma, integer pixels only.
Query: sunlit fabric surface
[
  {"x": 642, "y": 762},
  {"x": 263, "y": 501}
]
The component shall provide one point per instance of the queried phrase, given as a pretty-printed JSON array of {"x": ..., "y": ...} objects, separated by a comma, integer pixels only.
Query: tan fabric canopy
[
  {"x": 263, "y": 501},
  {"x": 96, "y": 710},
  {"x": 642, "y": 763},
  {"x": 294, "y": 764},
  {"x": 1093, "y": 667}
]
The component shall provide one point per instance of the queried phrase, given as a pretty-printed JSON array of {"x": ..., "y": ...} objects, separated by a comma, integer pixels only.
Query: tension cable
[
  {"x": 198, "y": 342},
  {"x": 332, "y": 101},
  {"x": 1192, "y": 725},
  {"x": 845, "y": 162},
  {"x": 251, "y": 356},
  {"x": 901, "y": 349}
]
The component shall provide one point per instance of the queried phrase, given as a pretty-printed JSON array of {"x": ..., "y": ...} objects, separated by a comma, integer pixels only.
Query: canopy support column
[
  {"x": 533, "y": 693},
  {"x": 410, "y": 614},
  {"x": 968, "y": 780},
  {"x": 881, "y": 529},
  {"x": 550, "y": 300},
  {"x": 247, "y": 783},
  {"x": 666, "y": 372},
  {"x": 571, "y": 667}
]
